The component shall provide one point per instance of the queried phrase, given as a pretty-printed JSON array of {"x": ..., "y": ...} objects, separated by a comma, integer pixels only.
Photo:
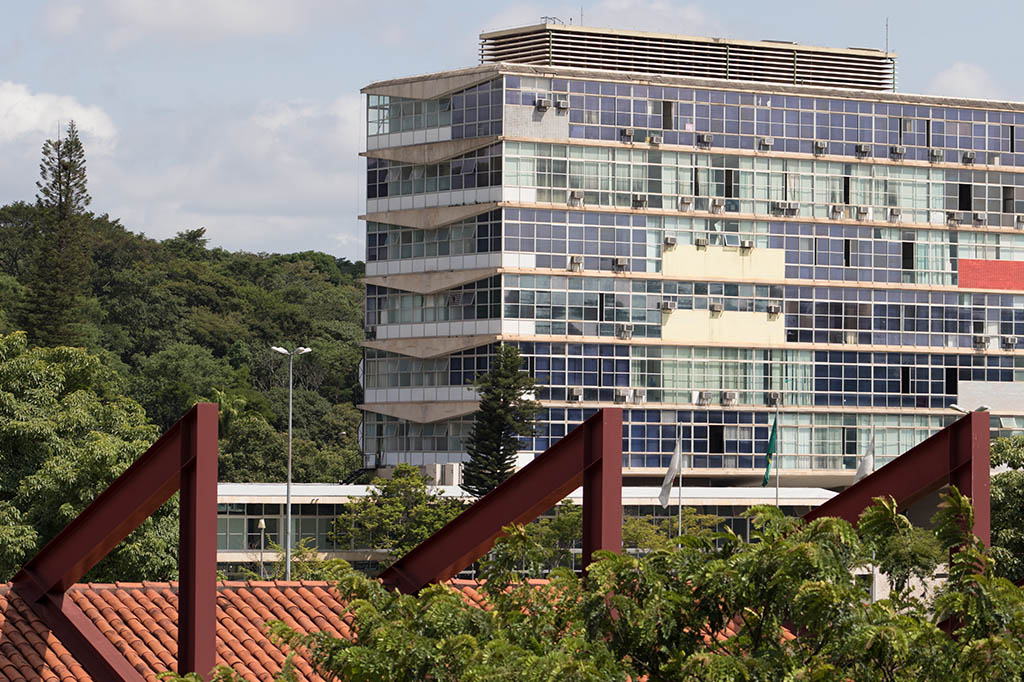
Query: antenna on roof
[{"x": 887, "y": 35}]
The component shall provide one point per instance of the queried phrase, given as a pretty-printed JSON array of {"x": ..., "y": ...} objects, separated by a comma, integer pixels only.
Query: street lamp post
[
  {"x": 262, "y": 525},
  {"x": 288, "y": 486}
]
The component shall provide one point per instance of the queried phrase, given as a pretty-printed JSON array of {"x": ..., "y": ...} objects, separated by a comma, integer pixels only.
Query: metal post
[
  {"x": 679, "y": 530},
  {"x": 778, "y": 456},
  {"x": 288, "y": 485},
  {"x": 263, "y": 544}
]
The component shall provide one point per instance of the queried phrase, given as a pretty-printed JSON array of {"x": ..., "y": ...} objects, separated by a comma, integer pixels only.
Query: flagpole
[
  {"x": 778, "y": 459},
  {"x": 679, "y": 532}
]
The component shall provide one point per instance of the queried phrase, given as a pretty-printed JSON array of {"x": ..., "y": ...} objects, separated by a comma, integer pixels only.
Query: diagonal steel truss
[
  {"x": 957, "y": 455},
  {"x": 184, "y": 458},
  {"x": 590, "y": 455}
]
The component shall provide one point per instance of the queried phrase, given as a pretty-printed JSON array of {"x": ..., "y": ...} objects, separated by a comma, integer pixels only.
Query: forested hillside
[{"x": 176, "y": 321}]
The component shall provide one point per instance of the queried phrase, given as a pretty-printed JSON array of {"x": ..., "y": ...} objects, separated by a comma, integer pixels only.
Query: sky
[{"x": 244, "y": 116}]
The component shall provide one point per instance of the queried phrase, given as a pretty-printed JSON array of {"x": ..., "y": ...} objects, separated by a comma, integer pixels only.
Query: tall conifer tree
[
  {"x": 55, "y": 308},
  {"x": 504, "y": 416},
  {"x": 62, "y": 186}
]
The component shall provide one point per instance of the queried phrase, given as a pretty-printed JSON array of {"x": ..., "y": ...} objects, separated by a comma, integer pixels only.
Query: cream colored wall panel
[
  {"x": 714, "y": 261},
  {"x": 698, "y": 327}
]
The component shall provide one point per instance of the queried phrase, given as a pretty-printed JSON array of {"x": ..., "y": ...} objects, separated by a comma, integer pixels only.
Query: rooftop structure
[{"x": 766, "y": 61}]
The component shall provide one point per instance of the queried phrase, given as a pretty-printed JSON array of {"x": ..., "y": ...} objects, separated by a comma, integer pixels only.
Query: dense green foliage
[
  {"x": 108, "y": 337},
  {"x": 66, "y": 431},
  {"x": 786, "y": 606},
  {"x": 181, "y": 322},
  {"x": 505, "y": 414},
  {"x": 1007, "y": 495},
  {"x": 398, "y": 513}
]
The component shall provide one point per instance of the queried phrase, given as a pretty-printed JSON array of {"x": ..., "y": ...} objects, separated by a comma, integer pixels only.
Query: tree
[
  {"x": 56, "y": 310},
  {"x": 1007, "y": 496},
  {"x": 63, "y": 183},
  {"x": 505, "y": 415},
  {"x": 66, "y": 432},
  {"x": 785, "y": 606},
  {"x": 397, "y": 514}
]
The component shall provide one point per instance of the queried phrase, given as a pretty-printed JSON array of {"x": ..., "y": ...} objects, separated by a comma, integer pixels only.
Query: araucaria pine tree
[
  {"x": 55, "y": 309},
  {"x": 505, "y": 414},
  {"x": 63, "y": 183}
]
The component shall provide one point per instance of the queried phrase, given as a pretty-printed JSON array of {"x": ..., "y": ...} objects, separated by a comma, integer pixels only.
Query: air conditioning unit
[
  {"x": 621, "y": 395},
  {"x": 862, "y": 212},
  {"x": 767, "y": 142},
  {"x": 576, "y": 393},
  {"x": 455, "y": 299},
  {"x": 705, "y": 138},
  {"x": 717, "y": 204},
  {"x": 620, "y": 262},
  {"x": 898, "y": 150},
  {"x": 624, "y": 330},
  {"x": 863, "y": 149},
  {"x": 1009, "y": 341},
  {"x": 1020, "y": 221},
  {"x": 685, "y": 203},
  {"x": 628, "y": 133},
  {"x": 836, "y": 210},
  {"x": 575, "y": 263},
  {"x": 670, "y": 240},
  {"x": 543, "y": 104},
  {"x": 704, "y": 397},
  {"x": 576, "y": 197},
  {"x": 969, "y": 157},
  {"x": 701, "y": 242},
  {"x": 562, "y": 104},
  {"x": 746, "y": 244},
  {"x": 952, "y": 218},
  {"x": 894, "y": 214},
  {"x": 978, "y": 218},
  {"x": 667, "y": 306},
  {"x": 979, "y": 341},
  {"x": 782, "y": 206},
  {"x": 773, "y": 398},
  {"x": 371, "y": 333},
  {"x": 716, "y": 308},
  {"x": 654, "y": 139},
  {"x": 639, "y": 396},
  {"x": 774, "y": 308},
  {"x": 639, "y": 201},
  {"x": 730, "y": 397},
  {"x": 936, "y": 154},
  {"x": 820, "y": 146}
]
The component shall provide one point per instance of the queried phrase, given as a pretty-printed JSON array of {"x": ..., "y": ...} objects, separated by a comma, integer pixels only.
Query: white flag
[
  {"x": 867, "y": 460},
  {"x": 673, "y": 470}
]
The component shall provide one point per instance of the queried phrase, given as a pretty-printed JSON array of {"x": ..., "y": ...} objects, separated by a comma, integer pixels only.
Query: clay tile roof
[{"x": 140, "y": 619}]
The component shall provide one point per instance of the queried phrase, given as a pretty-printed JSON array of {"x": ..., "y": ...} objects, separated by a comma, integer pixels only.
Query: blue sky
[{"x": 244, "y": 116}]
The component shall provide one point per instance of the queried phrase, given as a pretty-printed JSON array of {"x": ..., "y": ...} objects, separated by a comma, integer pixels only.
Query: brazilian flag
[{"x": 769, "y": 454}]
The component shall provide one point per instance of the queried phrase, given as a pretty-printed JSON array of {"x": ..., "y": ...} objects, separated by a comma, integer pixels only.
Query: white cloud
[
  {"x": 60, "y": 19},
  {"x": 964, "y": 79},
  {"x": 287, "y": 177},
  {"x": 24, "y": 113},
  {"x": 660, "y": 16},
  {"x": 128, "y": 22}
]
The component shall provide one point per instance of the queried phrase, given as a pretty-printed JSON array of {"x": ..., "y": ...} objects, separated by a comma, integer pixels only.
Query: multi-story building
[{"x": 701, "y": 231}]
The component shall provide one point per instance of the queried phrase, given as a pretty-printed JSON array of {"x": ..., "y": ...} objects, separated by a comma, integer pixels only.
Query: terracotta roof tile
[{"x": 140, "y": 620}]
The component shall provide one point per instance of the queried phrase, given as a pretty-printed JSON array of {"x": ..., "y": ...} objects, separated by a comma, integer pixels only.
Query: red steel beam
[
  {"x": 197, "y": 543},
  {"x": 957, "y": 455},
  {"x": 590, "y": 455},
  {"x": 186, "y": 457}
]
